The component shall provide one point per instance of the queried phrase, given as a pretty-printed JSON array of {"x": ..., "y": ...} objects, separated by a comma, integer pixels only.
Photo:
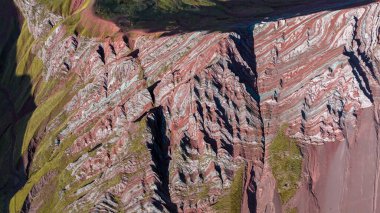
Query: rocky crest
[{"x": 169, "y": 123}]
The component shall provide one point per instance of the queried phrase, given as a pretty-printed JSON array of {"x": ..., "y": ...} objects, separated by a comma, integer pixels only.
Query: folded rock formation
[{"x": 183, "y": 122}]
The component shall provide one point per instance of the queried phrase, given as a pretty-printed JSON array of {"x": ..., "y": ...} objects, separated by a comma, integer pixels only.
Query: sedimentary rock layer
[{"x": 165, "y": 122}]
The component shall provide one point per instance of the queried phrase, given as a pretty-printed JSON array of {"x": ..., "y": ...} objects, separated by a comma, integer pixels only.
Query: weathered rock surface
[{"x": 163, "y": 123}]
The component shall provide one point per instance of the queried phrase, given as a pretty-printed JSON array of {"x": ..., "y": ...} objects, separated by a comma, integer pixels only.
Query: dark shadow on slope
[
  {"x": 160, "y": 154},
  {"x": 175, "y": 16},
  {"x": 252, "y": 205},
  {"x": 16, "y": 106},
  {"x": 360, "y": 74},
  {"x": 248, "y": 76}
]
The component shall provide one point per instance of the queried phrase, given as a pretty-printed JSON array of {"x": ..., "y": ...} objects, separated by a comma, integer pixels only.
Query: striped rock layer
[{"x": 164, "y": 123}]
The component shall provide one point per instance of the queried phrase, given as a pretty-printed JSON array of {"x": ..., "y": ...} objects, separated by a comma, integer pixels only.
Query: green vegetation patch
[
  {"x": 133, "y": 8},
  {"x": 171, "y": 14},
  {"x": 137, "y": 143},
  {"x": 73, "y": 20},
  {"x": 40, "y": 114},
  {"x": 204, "y": 191},
  {"x": 58, "y": 6},
  {"x": 293, "y": 210},
  {"x": 30, "y": 68},
  {"x": 286, "y": 163},
  {"x": 58, "y": 163},
  {"x": 231, "y": 202}
]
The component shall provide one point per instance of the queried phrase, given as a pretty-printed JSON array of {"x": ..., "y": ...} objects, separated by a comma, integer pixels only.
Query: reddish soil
[{"x": 98, "y": 26}]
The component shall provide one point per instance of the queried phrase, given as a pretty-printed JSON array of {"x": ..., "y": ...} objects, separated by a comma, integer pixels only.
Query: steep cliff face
[
  {"x": 319, "y": 74},
  {"x": 184, "y": 121}
]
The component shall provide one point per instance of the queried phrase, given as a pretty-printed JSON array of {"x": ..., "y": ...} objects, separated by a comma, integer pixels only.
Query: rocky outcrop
[
  {"x": 166, "y": 122},
  {"x": 318, "y": 74}
]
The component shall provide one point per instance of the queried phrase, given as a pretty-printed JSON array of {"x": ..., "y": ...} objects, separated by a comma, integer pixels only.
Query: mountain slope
[{"x": 184, "y": 121}]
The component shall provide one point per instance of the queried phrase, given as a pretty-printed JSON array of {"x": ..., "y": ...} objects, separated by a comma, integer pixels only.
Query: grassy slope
[
  {"x": 132, "y": 8},
  {"x": 286, "y": 163},
  {"x": 73, "y": 20},
  {"x": 25, "y": 79},
  {"x": 49, "y": 100},
  {"x": 30, "y": 65},
  {"x": 231, "y": 202},
  {"x": 177, "y": 14},
  {"x": 58, "y": 6}
]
